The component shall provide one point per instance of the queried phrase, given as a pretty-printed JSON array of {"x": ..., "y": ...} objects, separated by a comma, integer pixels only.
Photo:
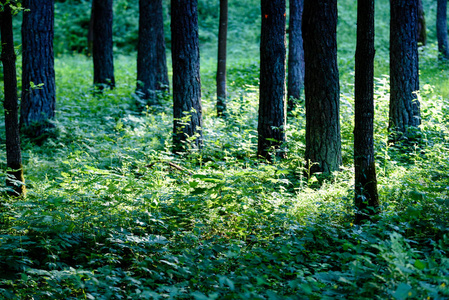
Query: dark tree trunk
[
  {"x": 443, "y": 46},
  {"x": 221, "y": 66},
  {"x": 404, "y": 78},
  {"x": 422, "y": 30},
  {"x": 187, "y": 111},
  {"x": 38, "y": 103},
  {"x": 102, "y": 46},
  {"x": 90, "y": 32},
  {"x": 272, "y": 108},
  {"x": 295, "y": 54},
  {"x": 152, "y": 73},
  {"x": 366, "y": 196},
  {"x": 15, "y": 178},
  {"x": 322, "y": 90}
]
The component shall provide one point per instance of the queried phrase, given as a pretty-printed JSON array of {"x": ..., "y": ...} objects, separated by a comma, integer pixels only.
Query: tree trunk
[
  {"x": 295, "y": 54},
  {"x": 15, "y": 178},
  {"x": 322, "y": 90},
  {"x": 221, "y": 66},
  {"x": 272, "y": 119},
  {"x": 443, "y": 46},
  {"x": 366, "y": 196},
  {"x": 38, "y": 103},
  {"x": 102, "y": 46},
  {"x": 422, "y": 31},
  {"x": 152, "y": 72},
  {"x": 187, "y": 111},
  {"x": 404, "y": 78},
  {"x": 90, "y": 32}
]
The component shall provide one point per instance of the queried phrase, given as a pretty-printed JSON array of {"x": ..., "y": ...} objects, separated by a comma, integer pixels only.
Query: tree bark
[
  {"x": 295, "y": 54},
  {"x": 322, "y": 90},
  {"x": 38, "y": 103},
  {"x": 443, "y": 46},
  {"x": 15, "y": 178},
  {"x": 152, "y": 72},
  {"x": 366, "y": 196},
  {"x": 272, "y": 108},
  {"x": 187, "y": 111},
  {"x": 102, "y": 46},
  {"x": 404, "y": 77},
  {"x": 422, "y": 30},
  {"x": 221, "y": 66}
]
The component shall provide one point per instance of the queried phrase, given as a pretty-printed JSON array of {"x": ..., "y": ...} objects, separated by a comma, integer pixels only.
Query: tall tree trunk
[
  {"x": 272, "y": 108},
  {"x": 90, "y": 32},
  {"x": 15, "y": 178},
  {"x": 38, "y": 103},
  {"x": 187, "y": 111},
  {"x": 443, "y": 46},
  {"x": 295, "y": 54},
  {"x": 102, "y": 46},
  {"x": 422, "y": 30},
  {"x": 221, "y": 66},
  {"x": 152, "y": 72},
  {"x": 366, "y": 196},
  {"x": 322, "y": 89},
  {"x": 404, "y": 77}
]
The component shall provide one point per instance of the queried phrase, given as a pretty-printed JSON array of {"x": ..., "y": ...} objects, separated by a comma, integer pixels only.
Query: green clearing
[{"x": 112, "y": 214}]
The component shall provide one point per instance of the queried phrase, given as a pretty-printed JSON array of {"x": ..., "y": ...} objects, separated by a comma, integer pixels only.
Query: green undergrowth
[{"x": 111, "y": 213}]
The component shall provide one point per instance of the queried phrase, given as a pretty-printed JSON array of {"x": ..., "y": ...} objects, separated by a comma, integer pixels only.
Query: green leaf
[
  {"x": 420, "y": 265},
  {"x": 402, "y": 292}
]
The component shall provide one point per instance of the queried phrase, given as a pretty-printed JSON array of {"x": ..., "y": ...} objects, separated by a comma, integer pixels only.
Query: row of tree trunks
[{"x": 15, "y": 178}]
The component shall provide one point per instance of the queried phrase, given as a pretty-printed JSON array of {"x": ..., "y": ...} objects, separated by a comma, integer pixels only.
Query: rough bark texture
[
  {"x": 38, "y": 103},
  {"x": 102, "y": 46},
  {"x": 422, "y": 30},
  {"x": 221, "y": 66},
  {"x": 443, "y": 46},
  {"x": 404, "y": 78},
  {"x": 322, "y": 90},
  {"x": 13, "y": 154},
  {"x": 366, "y": 196},
  {"x": 295, "y": 54},
  {"x": 187, "y": 111},
  {"x": 152, "y": 73},
  {"x": 272, "y": 108}
]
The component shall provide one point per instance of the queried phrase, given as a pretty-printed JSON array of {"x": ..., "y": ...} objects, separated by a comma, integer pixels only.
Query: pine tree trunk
[
  {"x": 152, "y": 72},
  {"x": 15, "y": 178},
  {"x": 295, "y": 54},
  {"x": 422, "y": 29},
  {"x": 38, "y": 103},
  {"x": 443, "y": 46},
  {"x": 366, "y": 196},
  {"x": 187, "y": 111},
  {"x": 221, "y": 66},
  {"x": 404, "y": 77},
  {"x": 322, "y": 90},
  {"x": 102, "y": 45},
  {"x": 272, "y": 110}
]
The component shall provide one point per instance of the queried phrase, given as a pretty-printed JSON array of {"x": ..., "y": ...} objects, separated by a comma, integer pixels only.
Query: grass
[{"x": 112, "y": 214}]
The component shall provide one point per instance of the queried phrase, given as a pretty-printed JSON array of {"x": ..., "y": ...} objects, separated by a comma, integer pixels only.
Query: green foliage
[{"x": 111, "y": 213}]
